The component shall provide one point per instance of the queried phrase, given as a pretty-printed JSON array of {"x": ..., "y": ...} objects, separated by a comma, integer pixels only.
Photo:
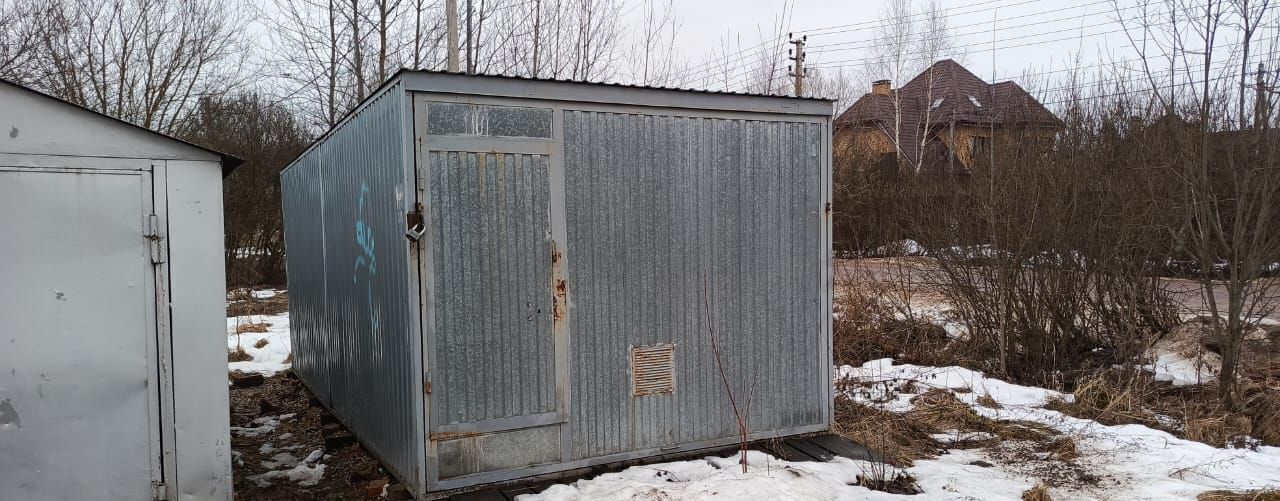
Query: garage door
[{"x": 78, "y": 392}]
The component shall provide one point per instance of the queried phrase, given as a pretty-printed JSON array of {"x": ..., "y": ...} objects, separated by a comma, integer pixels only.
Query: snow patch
[
  {"x": 303, "y": 474},
  {"x": 1137, "y": 462},
  {"x": 270, "y": 358},
  {"x": 1175, "y": 368}
]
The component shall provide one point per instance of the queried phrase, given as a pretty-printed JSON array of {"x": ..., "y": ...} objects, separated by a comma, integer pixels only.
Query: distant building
[{"x": 940, "y": 122}]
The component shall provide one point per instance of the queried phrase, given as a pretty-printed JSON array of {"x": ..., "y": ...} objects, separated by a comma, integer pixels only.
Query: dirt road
[{"x": 916, "y": 272}]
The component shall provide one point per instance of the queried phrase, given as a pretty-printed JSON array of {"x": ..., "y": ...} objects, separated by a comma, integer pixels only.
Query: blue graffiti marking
[{"x": 366, "y": 258}]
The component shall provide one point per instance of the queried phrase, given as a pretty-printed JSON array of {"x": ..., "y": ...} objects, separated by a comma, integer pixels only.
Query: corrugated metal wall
[
  {"x": 655, "y": 206},
  {"x": 492, "y": 266},
  {"x": 353, "y": 293}
]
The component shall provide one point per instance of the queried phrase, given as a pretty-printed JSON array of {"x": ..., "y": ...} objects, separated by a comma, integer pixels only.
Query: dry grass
[
  {"x": 869, "y": 328},
  {"x": 244, "y": 327},
  {"x": 1267, "y": 495},
  {"x": 1263, "y": 408},
  {"x": 1062, "y": 449},
  {"x": 261, "y": 342},
  {"x": 941, "y": 410},
  {"x": 1038, "y": 493},
  {"x": 238, "y": 355},
  {"x": 1119, "y": 396},
  {"x": 242, "y": 303},
  {"x": 900, "y": 439},
  {"x": 986, "y": 401}
]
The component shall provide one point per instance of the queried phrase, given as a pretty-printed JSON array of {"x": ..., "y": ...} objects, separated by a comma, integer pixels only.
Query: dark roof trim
[{"x": 229, "y": 162}]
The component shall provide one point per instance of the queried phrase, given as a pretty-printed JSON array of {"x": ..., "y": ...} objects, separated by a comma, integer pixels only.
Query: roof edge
[
  {"x": 609, "y": 93},
  {"x": 229, "y": 162}
]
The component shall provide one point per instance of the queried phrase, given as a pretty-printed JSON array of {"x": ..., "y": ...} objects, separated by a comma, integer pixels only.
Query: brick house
[{"x": 942, "y": 121}]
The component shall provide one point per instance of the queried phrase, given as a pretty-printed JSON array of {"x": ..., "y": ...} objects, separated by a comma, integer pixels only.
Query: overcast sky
[{"x": 1031, "y": 36}]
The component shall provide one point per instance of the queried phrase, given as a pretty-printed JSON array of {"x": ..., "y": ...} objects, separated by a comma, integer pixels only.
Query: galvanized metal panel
[
  {"x": 491, "y": 240},
  {"x": 656, "y": 207},
  {"x": 356, "y": 326},
  {"x": 79, "y": 355},
  {"x": 197, "y": 313},
  {"x": 499, "y": 451}
]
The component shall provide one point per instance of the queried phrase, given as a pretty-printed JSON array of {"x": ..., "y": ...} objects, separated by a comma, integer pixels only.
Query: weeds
[
  {"x": 1265, "y": 495},
  {"x": 238, "y": 355},
  {"x": 1038, "y": 493}
]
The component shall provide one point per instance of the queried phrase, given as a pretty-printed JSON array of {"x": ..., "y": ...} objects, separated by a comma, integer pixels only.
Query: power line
[
  {"x": 863, "y": 62},
  {"x": 871, "y": 42},
  {"x": 704, "y": 69},
  {"x": 736, "y": 79}
]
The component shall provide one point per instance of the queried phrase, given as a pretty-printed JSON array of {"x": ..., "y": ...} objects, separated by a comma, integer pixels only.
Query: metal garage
[
  {"x": 493, "y": 278},
  {"x": 112, "y": 355}
]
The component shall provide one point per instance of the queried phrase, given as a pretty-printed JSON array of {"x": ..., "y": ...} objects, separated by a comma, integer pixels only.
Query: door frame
[{"x": 553, "y": 147}]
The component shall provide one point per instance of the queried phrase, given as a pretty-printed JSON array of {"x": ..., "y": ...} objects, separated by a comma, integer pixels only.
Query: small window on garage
[{"x": 462, "y": 119}]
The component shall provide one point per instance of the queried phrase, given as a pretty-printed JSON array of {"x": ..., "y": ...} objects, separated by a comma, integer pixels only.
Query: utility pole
[
  {"x": 797, "y": 55},
  {"x": 470, "y": 60},
  {"x": 451, "y": 25}
]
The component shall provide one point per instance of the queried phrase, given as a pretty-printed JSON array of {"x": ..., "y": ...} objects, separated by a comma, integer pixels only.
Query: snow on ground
[
  {"x": 1171, "y": 366},
  {"x": 1138, "y": 462},
  {"x": 285, "y": 466},
  {"x": 265, "y": 293},
  {"x": 1130, "y": 461},
  {"x": 271, "y": 357},
  {"x": 261, "y": 426}
]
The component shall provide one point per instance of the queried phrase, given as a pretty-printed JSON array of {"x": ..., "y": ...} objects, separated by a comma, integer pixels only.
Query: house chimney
[{"x": 880, "y": 87}]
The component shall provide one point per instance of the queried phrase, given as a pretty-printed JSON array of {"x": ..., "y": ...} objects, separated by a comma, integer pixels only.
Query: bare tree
[
  {"x": 1220, "y": 161},
  {"x": 18, "y": 41},
  {"x": 145, "y": 61},
  {"x": 652, "y": 57},
  {"x": 908, "y": 41}
]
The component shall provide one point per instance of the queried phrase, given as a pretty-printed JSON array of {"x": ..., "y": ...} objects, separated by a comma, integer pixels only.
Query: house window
[
  {"x": 975, "y": 102},
  {"x": 978, "y": 146},
  {"x": 937, "y": 103}
]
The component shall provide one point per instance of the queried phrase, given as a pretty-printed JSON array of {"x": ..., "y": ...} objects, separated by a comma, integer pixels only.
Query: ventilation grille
[{"x": 652, "y": 369}]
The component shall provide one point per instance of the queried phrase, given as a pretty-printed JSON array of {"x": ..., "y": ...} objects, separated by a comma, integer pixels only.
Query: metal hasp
[
  {"x": 113, "y": 360},
  {"x": 493, "y": 278}
]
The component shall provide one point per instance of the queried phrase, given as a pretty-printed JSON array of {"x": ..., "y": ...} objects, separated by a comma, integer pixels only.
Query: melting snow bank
[
  {"x": 1129, "y": 461},
  {"x": 949, "y": 477},
  {"x": 720, "y": 478},
  {"x": 1133, "y": 461},
  {"x": 268, "y": 358}
]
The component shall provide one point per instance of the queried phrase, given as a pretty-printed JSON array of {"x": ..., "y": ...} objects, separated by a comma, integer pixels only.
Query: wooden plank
[
  {"x": 843, "y": 447},
  {"x": 538, "y": 487},
  {"x": 785, "y": 452},
  {"x": 484, "y": 495},
  {"x": 813, "y": 450},
  {"x": 510, "y": 493}
]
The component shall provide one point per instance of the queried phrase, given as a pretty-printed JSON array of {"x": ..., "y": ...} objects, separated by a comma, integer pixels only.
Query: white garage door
[{"x": 78, "y": 391}]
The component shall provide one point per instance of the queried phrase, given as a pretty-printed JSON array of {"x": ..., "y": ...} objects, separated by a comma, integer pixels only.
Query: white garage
[{"x": 112, "y": 305}]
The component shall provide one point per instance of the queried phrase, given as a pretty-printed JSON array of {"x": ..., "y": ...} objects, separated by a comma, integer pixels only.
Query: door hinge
[
  {"x": 155, "y": 239},
  {"x": 426, "y": 382},
  {"x": 159, "y": 491}
]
